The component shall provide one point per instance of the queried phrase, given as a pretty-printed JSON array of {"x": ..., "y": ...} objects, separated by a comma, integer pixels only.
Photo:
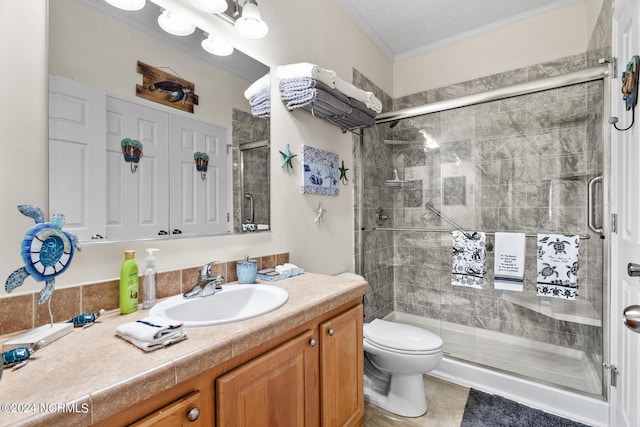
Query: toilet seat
[{"x": 401, "y": 338}]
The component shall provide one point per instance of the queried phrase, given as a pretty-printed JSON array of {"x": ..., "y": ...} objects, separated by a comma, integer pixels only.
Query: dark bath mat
[{"x": 490, "y": 410}]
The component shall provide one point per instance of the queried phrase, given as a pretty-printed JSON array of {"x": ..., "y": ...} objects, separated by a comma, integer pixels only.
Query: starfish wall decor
[
  {"x": 287, "y": 157},
  {"x": 343, "y": 174}
]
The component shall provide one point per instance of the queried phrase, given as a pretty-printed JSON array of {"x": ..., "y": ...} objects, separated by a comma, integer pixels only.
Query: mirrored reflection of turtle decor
[
  {"x": 132, "y": 151},
  {"x": 46, "y": 250},
  {"x": 167, "y": 89},
  {"x": 176, "y": 91},
  {"x": 202, "y": 163}
]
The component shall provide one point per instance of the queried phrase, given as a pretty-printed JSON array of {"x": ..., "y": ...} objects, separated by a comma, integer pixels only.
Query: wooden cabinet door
[
  {"x": 279, "y": 388},
  {"x": 177, "y": 413},
  {"x": 342, "y": 369}
]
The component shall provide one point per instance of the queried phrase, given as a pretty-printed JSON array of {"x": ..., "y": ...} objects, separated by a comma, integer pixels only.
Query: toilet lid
[{"x": 400, "y": 336}]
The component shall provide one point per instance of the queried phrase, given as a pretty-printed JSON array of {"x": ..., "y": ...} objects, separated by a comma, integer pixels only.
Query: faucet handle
[{"x": 206, "y": 270}]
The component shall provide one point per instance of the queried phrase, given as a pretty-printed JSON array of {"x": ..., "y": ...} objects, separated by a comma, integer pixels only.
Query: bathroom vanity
[{"x": 301, "y": 364}]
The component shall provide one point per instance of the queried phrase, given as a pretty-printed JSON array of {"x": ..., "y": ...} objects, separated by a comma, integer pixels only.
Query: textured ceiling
[{"x": 402, "y": 28}]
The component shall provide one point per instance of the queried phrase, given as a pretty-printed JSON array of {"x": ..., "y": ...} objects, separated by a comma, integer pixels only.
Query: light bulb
[
  {"x": 175, "y": 24},
  {"x": 127, "y": 4},
  {"x": 210, "y": 6},
  {"x": 217, "y": 46},
  {"x": 250, "y": 24}
]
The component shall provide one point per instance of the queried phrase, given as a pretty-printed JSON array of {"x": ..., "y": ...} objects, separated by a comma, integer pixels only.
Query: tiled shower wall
[
  {"x": 510, "y": 181},
  {"x": 247, "y": 128}
]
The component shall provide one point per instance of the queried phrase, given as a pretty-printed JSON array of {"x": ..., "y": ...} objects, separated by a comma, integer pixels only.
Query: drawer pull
[
  {"x": 193, "y": 414},
  {"x": 331, "y": 332},
  {"x": 312, "y": 342}
]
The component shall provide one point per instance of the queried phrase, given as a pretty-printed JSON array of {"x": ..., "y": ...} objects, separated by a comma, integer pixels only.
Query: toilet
[{"x": 396, "y": 356}]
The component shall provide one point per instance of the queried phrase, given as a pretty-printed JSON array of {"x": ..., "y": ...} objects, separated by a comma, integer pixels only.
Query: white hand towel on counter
[
  {"x": 508, "y": 264},
  {"x": 304, "y": 69},
  {"x": 151, "y": 333},
  {"x": 367, "y": 97},
  {"x": 558, "y": 266},
  {"x": 468, "y": 259}
]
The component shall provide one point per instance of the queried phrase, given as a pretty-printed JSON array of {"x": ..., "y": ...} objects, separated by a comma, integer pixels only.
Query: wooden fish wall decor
[{"x": 166, "y": 89}]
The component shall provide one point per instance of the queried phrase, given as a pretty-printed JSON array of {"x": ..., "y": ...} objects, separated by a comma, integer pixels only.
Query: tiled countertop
[{"x": 98, "y": 374}]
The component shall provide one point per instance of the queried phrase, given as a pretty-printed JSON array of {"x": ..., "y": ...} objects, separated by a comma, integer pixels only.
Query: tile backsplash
[{"x": 22, "y": 311}]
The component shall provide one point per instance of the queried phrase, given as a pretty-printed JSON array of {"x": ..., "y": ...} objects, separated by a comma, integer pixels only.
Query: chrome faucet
[{"x": 207, "y": 283}]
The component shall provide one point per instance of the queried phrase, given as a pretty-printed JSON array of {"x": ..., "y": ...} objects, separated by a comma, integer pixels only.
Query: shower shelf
[{"x": 578, "y": 311}]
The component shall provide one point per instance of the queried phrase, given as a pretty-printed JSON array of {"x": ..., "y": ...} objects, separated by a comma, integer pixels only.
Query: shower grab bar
[
  {"x": 430, "y": 206},
  {"x": 446, "y": 230},
  {"x": 590, "y": 206}
]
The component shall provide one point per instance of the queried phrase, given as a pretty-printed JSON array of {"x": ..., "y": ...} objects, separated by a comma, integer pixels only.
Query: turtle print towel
[
  {"x": 468, "y": 260},
  {"x": 558, "y": 266}
]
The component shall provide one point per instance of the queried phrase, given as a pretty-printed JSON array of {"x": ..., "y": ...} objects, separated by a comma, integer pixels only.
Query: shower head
[{"x": 394, "y": 123}]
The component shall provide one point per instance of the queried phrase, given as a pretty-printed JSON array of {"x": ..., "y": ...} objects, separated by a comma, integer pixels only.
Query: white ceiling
[{"x": 403, "y": 28}]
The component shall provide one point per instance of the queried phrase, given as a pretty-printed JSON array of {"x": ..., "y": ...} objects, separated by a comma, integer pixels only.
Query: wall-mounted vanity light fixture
[
  {"x": 216, "y": 46},
  {"x": 127, "y": 4}
]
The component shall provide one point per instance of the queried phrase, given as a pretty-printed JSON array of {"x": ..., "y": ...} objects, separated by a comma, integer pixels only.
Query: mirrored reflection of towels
[
  {"x": 558, "y": 266},
  {"x": 468, "y": 259},
  {"x": 508, "y": 264}
]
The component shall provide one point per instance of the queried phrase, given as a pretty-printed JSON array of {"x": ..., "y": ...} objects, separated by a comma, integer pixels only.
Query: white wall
[
  {"x": 298, "y": 32},
  {"x": 559, "y": 33}
]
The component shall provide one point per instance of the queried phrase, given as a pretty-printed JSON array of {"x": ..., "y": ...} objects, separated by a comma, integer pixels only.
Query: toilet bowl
[{"x": 396, "y": 356}]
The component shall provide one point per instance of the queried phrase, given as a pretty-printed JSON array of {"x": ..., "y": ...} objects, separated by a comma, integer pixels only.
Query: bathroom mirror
[{"x": 98, "y": 45}]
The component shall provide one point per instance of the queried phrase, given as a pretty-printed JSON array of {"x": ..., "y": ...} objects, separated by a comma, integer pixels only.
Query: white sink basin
[{"x": 232, "y": 304}]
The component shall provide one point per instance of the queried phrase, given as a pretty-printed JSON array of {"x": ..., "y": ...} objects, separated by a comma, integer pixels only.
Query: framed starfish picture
[{"x": 320, "y": 174}]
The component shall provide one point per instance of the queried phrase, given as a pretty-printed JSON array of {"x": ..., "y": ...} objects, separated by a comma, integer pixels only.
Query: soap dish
[{"x": 273, "y": 278}]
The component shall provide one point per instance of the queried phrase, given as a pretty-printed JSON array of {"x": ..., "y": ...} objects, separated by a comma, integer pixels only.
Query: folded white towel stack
[
  {"x": 508, "y": 264},
  {"x": 558, "y": 266},
  {"x": 151, "y": 333},
  {"x": 304, "y": 69},
  {"x": 468, "y": 259},
  {"x": 258, "y": 86},
  {"x": 351, "y": 91}
]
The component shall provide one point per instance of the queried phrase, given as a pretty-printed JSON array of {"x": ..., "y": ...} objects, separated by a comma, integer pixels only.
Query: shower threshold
[{"x": 552, "y": 364}]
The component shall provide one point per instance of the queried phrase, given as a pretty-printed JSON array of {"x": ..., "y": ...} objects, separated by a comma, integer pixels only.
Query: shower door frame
[{"x": 601, "y": 72}]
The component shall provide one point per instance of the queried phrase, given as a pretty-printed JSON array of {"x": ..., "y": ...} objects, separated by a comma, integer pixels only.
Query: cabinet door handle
[
  {"x": 331, "y": 332},
  {"x": 312, "y": 342},
  {"x": 193, "y": 414}
]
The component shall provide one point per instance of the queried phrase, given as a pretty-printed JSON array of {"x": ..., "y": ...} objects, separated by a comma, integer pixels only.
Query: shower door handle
[
  {"x": 632, "y": 318},
  {"x": 633, "y": 269},
  {"x": 590, "y": 206}
]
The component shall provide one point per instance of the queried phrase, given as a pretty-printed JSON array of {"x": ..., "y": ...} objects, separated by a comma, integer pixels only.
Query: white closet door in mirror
[
  {"x": 77, "y": 155},
  {"x": 137, "y": 201},
  {"x": 199, "y": 201}
]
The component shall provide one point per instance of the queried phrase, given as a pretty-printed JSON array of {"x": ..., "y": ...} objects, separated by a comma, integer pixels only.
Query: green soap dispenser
[{"x": 129, "y": 283}]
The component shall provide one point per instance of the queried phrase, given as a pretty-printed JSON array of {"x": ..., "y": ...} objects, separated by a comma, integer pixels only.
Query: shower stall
[{"x": 517, "y": 152}]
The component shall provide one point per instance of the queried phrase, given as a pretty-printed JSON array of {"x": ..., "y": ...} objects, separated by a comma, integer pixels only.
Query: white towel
[
  {"x": 367, "y": 97},
  {"x": 304, "y": 69},
  {"x": 468, "y": 259},
  {"x": 151, "y": 333},
  {"x": 508, "y": 263},
  {"x": 558, "y": 266},
  {"x": 263, "y": 83}
]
